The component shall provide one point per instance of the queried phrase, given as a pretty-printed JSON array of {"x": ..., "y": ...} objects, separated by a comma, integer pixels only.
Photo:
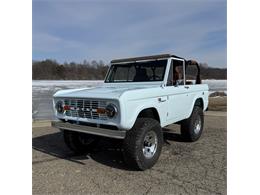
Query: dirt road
[{"x": 183, "y": 168}]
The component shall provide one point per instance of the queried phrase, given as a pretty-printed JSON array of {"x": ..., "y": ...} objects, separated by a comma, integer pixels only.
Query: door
[{"x": 178, "y": 93}]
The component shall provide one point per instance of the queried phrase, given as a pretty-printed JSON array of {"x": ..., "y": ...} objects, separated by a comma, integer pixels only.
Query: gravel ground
[{"x": 183, "y": 168}]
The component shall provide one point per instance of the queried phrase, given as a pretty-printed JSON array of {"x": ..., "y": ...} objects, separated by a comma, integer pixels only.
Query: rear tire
[
  {"x": 143, "y": 144},
  {"x": 191, "y": 128},
  {"x": 79, "y": 143}
]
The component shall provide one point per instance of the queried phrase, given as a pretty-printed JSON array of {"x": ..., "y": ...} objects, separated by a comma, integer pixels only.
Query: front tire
[
  {"x": 79, "y": 143},
  {"x": 143, "y": 144},
  {"x": 191, "y": 128}
]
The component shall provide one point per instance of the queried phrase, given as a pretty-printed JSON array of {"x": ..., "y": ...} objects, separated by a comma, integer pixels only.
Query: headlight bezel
[
  {"x": 111, "y": 110},
  {"x": 59, "y": 106}
]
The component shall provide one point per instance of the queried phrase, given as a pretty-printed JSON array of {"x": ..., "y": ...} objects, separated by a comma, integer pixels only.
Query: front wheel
[
  {"x": 191, "y": 128},
  {"x": 143, "y": 144}
]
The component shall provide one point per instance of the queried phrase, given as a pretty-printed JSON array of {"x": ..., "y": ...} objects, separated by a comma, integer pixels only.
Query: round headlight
[
  {"x": 59, "y": 107},
  {"x": 111, "y": 110}
]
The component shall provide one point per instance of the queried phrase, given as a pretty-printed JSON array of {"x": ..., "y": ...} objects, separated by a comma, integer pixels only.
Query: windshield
[{"x": 137, "y": 72}]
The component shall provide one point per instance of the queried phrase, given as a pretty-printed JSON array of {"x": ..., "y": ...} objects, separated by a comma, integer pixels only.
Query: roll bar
[{"x": 194, "y": 63}]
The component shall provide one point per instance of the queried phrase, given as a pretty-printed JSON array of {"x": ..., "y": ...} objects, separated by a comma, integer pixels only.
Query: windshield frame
[{"x": 131, "y": 63}]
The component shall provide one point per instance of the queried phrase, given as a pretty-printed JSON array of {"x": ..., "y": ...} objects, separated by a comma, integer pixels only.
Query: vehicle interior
[
  {"x": 176, "y": 76},
  {"x": 138, "y": 69},
  {"x": 137, "y": 72}
]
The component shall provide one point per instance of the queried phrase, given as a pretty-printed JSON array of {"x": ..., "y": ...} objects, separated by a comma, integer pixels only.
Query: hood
[{"x": 105, "y": 91}]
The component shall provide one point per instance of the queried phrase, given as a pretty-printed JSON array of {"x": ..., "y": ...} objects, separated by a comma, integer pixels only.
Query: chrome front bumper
[{"x": 118, "y": 134}]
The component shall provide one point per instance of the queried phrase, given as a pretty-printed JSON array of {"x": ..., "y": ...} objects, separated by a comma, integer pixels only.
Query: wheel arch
[
  {"x": 150, "y": 112},
  {"x": 198, "y": 101}
]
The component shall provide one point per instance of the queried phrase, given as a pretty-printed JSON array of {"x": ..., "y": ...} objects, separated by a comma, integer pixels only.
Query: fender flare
[{"x": 142, "y": 108}]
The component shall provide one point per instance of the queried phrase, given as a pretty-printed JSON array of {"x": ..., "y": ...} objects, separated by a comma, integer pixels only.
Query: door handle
[
  {"x": 187, "y": 87},
  {"x": 162, "y": 99}
]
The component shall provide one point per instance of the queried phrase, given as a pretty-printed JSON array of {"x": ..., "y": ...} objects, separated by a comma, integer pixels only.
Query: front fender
[{"x": 134, "y": 107}]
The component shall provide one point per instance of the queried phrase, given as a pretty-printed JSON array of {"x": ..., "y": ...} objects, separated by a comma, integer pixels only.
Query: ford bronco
[{"x": 139, "y": 97}]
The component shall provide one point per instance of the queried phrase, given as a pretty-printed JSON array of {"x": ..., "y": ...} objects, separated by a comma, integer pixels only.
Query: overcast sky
[{"x": 73, "y": 30}]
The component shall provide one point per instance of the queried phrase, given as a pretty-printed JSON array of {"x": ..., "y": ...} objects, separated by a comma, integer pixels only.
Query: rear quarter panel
[{"x": 197, "y": 92}]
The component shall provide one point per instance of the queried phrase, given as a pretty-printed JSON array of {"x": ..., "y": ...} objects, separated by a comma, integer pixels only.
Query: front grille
[{"x": 85, "y": 108}]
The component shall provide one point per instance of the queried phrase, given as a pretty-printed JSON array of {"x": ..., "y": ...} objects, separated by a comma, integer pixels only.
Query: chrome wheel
[
  {"x": 197, "y": 125},
  {"x": 150, "y": 144}
]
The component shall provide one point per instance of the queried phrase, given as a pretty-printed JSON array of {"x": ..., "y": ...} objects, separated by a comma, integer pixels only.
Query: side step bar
[{"x": 118, "y": 134}]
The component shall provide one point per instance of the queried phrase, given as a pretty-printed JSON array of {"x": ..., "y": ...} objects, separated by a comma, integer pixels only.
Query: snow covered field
[{"x": 43, "y": 90}]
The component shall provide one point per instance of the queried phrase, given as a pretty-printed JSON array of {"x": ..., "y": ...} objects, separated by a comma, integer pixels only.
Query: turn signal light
[
  {"x": 66, "y": 107},
  {"x": 101, "y": 111}
]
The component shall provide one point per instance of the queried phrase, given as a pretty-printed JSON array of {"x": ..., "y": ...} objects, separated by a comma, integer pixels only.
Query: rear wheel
[
  {"x": 143, "y": 144},
  {"x": 191, "y": 128},
  {"x": 79, "y": 142}
]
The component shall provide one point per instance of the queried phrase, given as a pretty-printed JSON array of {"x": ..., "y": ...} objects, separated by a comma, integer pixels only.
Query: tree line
[
  {"x": 95, "y": 70},
  {"x": 52, "y": 70}
]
